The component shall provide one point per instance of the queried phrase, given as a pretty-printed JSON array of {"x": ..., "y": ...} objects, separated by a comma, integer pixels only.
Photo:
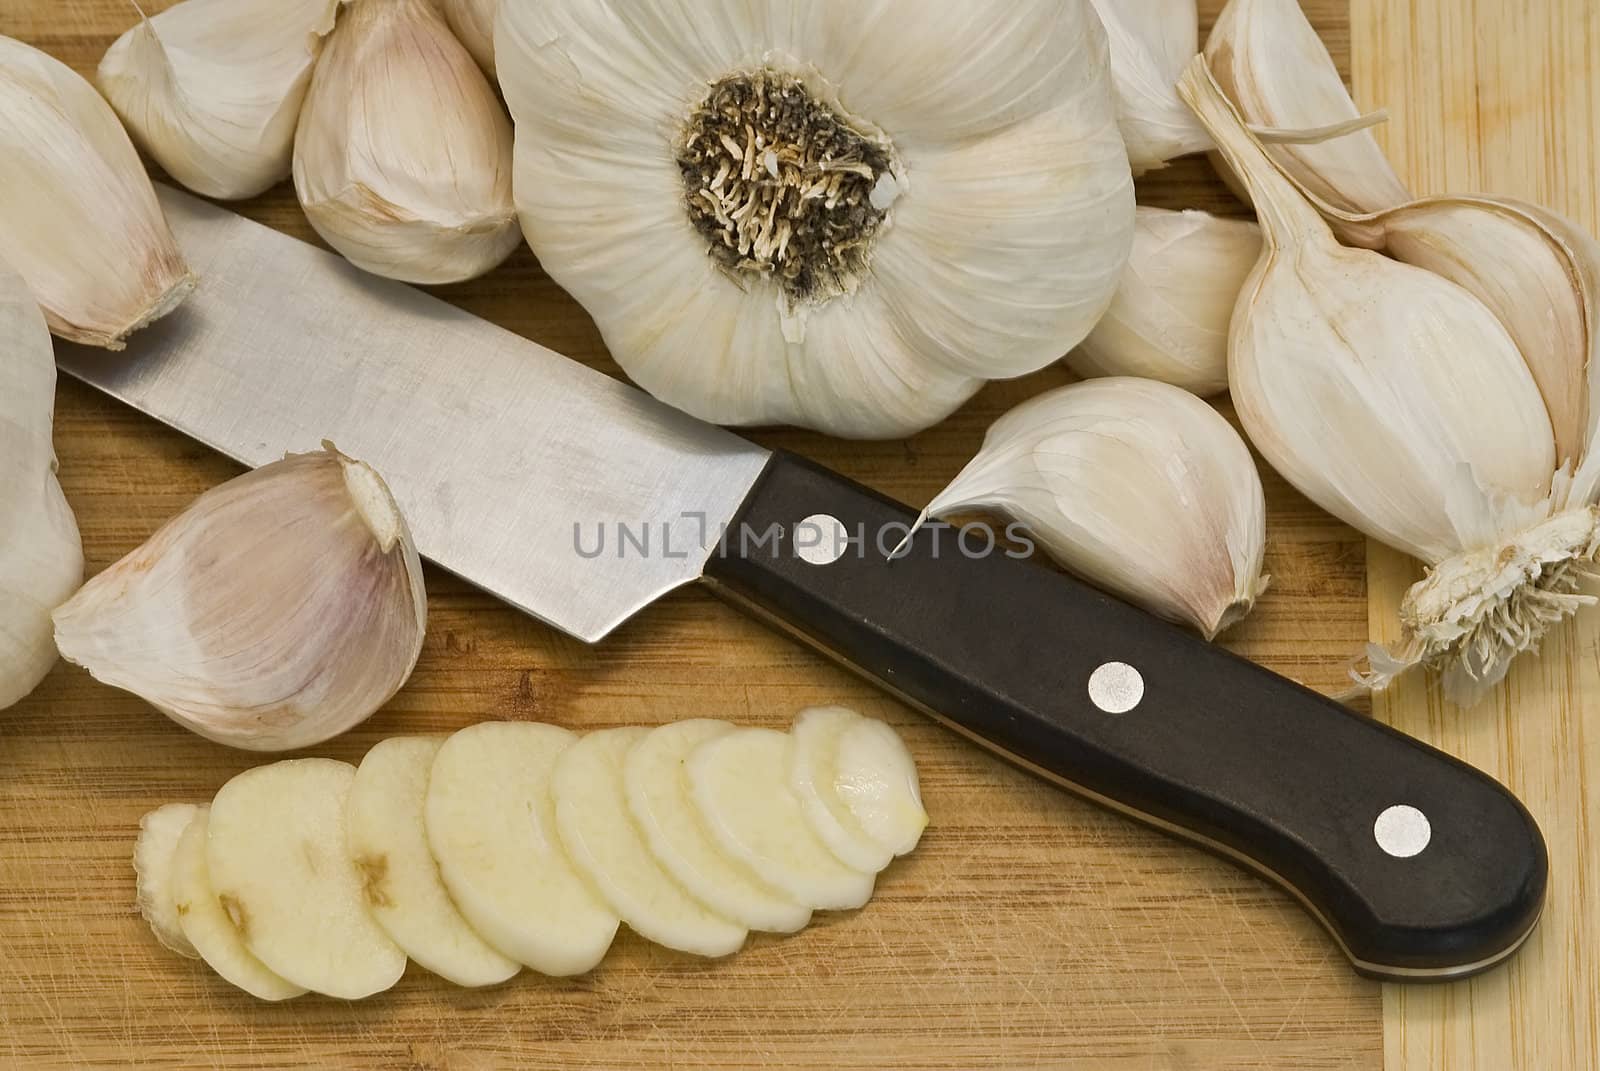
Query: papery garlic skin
[
  {"x": 1169, "y": 320},
  {"x": 1272, "y": 64},
  {"x": 402, "y": 160},
  {"x": 276, "y": 612},
  {"x": 1136, "y": 486},
  {"x": 991, "y": 224},
  {"x": 1151, "y": 42},
  {"x": 211, "y": 89},
  {"x": 41, "y": 557},
  {"x": 78, "y": 216},
  {"x": 472, "y": 21}
]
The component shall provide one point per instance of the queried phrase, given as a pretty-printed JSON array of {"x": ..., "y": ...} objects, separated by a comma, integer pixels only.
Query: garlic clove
[
  {"x": 472, "y": 21},
  {"x": 276, "y": 612},
  {"x": 78, "y": 216},
  {"x": 1271, "y": 63},
  {"x": 1134, "y": 485},
  {"x": 1151, "y": 42},
  {"x": 1170, "y": 317},
  {"x": 211, "y": 89},
  {"x": 41, "y": 557},
  {"x": 402, "y": 159}
]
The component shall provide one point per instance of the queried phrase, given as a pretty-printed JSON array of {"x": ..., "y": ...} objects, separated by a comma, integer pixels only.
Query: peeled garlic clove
[
  {"x": 472, "y": 21},
  {"x": 1138, "y": 487},
  {"x": 211, "y": 89},
  {"x": 402, "y": 160},
  {"x": 1271, "y": 63},
  {"x": 1151, "y": 42},
  {"x": 41, "y": 558},
  {"x": 277, "y": 611},
  {"x": 78, "y": 216},
  {"x": 1169, "y": 320}
]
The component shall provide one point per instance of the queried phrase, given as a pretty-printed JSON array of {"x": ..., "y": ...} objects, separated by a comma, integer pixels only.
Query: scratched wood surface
[
  {"x": 1503, "y": 96},
  {"x": 1030, "y": 931}
]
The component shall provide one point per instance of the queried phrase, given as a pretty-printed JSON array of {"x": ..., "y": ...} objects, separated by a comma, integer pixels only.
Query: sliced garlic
[
  {"x": 41, "y": 557},
  {"x": 1169, "y": 320},
  {"x": 1151, "y": 42},
  {"x": 277, "y": 611},
  {"x": 472, "y": 21},
  {"x": 402, "y": 160},
  {"x": 671, "y": 176},
  {"x": 1270, "y": 61},
  {"x": 153, "y": 854},
  {"x": 211, "y": 89},
  {"x": 1136, "y": 486},
  {"x": 78, "y": 216},
  {"x": 813, "y": 778},
  {"x": 1396, "y": 400}
]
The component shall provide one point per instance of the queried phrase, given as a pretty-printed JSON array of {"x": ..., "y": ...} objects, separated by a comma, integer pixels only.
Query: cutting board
[{"x": 1031, "y": 930}]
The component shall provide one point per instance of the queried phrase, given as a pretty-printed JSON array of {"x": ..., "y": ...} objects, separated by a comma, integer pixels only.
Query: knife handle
[{"x": 1420, "y": 866}]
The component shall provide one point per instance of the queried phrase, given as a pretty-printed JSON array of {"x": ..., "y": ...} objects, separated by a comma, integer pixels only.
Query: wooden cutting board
[{"x": 1030, "y": 930}]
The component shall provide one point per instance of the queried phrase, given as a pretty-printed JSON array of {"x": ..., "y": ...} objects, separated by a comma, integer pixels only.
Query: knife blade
[{"x": 581, "y": 500}]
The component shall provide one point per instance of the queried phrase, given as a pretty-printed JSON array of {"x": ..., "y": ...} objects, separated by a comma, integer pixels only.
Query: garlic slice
[
  {"x": 1169, "y": 320},
  {"x": 78, "y": 216},
  {"x": 1138, "y": 487},
  {"x": 1271, "y": 63},
  {"x": 1151, "y": 42},
  {"x": 211, "y": 89},
  {"x": 472, "y": 21},
  {"x": 41, "y": 558},
  {"x": 277, "y": 611},
  {"x": 402, "y": 160},
  {"x": 1396, "y": 400}
]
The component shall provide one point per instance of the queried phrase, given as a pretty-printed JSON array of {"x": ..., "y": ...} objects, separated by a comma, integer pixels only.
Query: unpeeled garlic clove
[
  {"x": 1169, "y": 320},
  {"x": 472, "y": 21},
  {"x": 211, "y": 89},
  {"x": 1136, "y": 486},
  {"x": 1151, "y": 42},
  {"x": 41, "y": 558},
  {"x": 78, "y": 216},
  {"x": 402, "y": 160},
  {"x": 277, "y": 611},
  {"x": 1271, "y": 63}
]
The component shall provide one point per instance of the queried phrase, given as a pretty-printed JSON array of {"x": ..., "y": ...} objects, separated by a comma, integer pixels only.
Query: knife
[{"x": 581, "y": 500}]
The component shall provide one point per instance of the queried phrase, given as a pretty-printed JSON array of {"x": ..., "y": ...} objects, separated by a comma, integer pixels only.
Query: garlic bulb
[
  {"x": 1136, "y": 486},
  {"x": 1269, "y": 60},
  {"x": 277, "y": 611},
  {"x": 472, "y": 21},
  {"x": 211, "y": 89},
  {"x": 827, "y": 215},
  {"x": 403, "y": 156},
  {"x": 41, "y": 559},
  {"x": 1151, "y": 42},
  {"x": 1393, "y": 398},
  {"x": 78, "y": 216},
  {"x": 1169, "y": 320}
]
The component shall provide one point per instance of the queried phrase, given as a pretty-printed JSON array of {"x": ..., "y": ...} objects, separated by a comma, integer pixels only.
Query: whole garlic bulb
[
  {"x": 1169, "y": 320},
  {"x": 41, "y": 559},
  {"x": 211, "y": 89},
  {"x": 402, "y": 160},
  {"x": 472, "y": 21},
  {"x": 830, "y": 215},
  {"x": 1151, "y": 43},
  {"x": 78, "y": 217},
  {"x": 1134, "y": 485},
  {"x": 277, "y": 611}
]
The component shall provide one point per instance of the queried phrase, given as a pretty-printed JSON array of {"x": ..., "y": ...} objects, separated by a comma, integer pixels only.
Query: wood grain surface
[
  {"x": 1031, "y": 930},
  {"x": 1502, "y": 96}
]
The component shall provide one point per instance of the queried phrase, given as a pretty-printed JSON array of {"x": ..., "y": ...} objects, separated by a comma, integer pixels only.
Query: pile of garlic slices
[{"x": 517, "y": 844}]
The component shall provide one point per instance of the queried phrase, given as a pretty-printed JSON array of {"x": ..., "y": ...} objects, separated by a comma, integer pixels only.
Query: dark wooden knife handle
[{"x": 1147, "y": 718}]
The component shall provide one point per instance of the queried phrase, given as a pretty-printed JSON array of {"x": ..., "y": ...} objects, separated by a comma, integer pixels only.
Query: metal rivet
[
  {"x": 821, "y": 539},
  {"x": 1402, "y": 831},
  {"x": 1116, "y": 687}
]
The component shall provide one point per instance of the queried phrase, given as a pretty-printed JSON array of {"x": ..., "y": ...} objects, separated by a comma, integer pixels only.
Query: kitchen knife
[{"x": 581, "y": 500}]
